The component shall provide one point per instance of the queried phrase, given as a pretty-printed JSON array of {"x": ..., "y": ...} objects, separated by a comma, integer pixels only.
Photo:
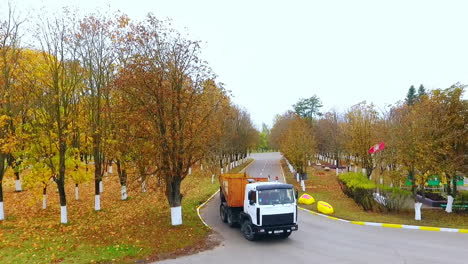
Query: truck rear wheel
[
  {"x": 248, "y": 231},
  {"x": 230, "y": 220},
  {"x": 223, "y": 213}
]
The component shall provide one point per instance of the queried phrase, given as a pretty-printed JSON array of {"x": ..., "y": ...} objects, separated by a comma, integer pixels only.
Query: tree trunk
[
  {"x": 174, "y": 197},
  {"x": 123, "y": 180},
  {"x": 2, "y": 173},
  {"x": 18, "y": 187},
  {"x": 97, "y": 194},
  {"x": 77, "y": 192},
  {"x": 44, "y": 197}
]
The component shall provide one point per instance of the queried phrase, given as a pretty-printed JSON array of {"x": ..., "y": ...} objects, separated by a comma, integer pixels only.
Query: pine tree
[
  {"x": 411, "y": 96},
  {"x": 421, "y": 91}
]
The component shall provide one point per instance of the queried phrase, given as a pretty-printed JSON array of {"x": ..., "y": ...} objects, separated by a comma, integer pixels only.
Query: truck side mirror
[{"x": 251, "y": 197}]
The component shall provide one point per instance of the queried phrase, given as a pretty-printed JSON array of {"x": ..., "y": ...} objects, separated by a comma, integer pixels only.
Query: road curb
[
  {"x": 387, "y": 225},
  {"x": 202, "y": 205}
]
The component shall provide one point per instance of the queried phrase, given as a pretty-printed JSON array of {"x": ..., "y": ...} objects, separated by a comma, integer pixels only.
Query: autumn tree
[
  {"x": 359, "y": 131},
  {"x": 58, "y": 99},
  {"x": 10, "y": 37},
  {"x": 94, "y": 44},
  {"x": 171, "y": 85},
  {"x": 330, "y": 135},
  {"x": 298, "y": 144}
]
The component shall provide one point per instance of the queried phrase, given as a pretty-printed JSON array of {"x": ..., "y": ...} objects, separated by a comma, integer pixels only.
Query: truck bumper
[{"x": 270, "y": 230}]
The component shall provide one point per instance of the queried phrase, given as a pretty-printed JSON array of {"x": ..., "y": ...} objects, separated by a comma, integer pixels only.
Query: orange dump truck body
[{"x": 233, "y": 187}]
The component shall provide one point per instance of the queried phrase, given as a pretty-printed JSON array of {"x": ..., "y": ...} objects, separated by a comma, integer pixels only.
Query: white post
[
  {"x": 97, "y": 202},
  {"x": 337, "y": 171},
  {"x": 63, "y": 214},
  {"x": 212, "y": 178},
  {"x": 18, "y": 186},
  {"x": 417, "y": 211},
  {"x": 448, "y": 209},
  {"x": 176, "y": 215},
  {"x": 44, "y": 201},
  {"x": 77, "y": 193},
  {"x": 124, "y": 192},
  {"x": 2, "y": 213},
  {"x": 101, "y": 187},
  {"x": 303, "y": 185}
]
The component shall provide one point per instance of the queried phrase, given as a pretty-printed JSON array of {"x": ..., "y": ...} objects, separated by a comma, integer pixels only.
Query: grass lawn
[
  {"x": 323, "y": 186},
  {"x": 123, "y": 231}
]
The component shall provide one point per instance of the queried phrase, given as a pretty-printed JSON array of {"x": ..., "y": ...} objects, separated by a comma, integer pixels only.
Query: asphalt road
[{"x": 321, "y": 240}]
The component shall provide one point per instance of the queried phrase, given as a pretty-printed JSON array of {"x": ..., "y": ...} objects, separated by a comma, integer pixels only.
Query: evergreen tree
[
  {"x": 421, "y": 91},
  {"x": 411, "y": 96}
]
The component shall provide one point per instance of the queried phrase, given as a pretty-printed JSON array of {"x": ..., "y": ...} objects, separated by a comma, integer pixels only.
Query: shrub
[
  {"x": 461, "y": 200},
  {"x": 395, "y": 198},
  {"x": 362, "y": 191},
  {"x": 358, "y": 187}
]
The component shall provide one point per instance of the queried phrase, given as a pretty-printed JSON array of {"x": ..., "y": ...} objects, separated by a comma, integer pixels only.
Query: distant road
[{"x": 321, "y": 240}]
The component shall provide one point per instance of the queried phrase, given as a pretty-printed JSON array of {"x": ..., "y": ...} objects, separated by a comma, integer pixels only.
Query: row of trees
[
  {"x": 100, "y": 89},
  {"x": 426, "y": 134}
]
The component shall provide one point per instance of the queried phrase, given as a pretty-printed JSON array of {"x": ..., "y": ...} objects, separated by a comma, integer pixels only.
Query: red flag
[{"x": 377, "y": 148}]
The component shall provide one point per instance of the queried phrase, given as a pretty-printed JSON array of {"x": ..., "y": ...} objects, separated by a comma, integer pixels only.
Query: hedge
[{"x": 366, "y": 193}]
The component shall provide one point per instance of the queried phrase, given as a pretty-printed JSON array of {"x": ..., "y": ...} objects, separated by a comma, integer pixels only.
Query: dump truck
[{"x": 260, "y": 207}]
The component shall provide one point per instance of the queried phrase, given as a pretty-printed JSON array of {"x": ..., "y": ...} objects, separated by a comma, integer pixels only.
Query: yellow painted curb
[
  {"x": 392, "y": 225},
  {"x": 333, "y": 218},
  {"x": 429, "y": 228},
  {"x": 463, "y": 231},
  {"x": 358, "y": 223}
]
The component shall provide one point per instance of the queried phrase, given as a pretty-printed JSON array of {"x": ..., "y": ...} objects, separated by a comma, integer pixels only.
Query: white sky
[{"x": 271, "y": 53}]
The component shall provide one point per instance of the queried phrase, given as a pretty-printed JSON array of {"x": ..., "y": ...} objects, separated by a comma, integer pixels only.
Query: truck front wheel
[
  {"x": 223, "y": 213},
  {"x": 248, "y": 232}
]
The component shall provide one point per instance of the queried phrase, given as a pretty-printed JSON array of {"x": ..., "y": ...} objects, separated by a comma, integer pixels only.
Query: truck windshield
[{"x": 275, "y": 196}]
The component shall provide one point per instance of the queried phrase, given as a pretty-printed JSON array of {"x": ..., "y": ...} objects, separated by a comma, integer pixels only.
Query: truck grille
[{"x": 279, "y": 219}]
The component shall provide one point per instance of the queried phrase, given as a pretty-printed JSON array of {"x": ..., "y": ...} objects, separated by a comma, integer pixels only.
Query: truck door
[{"x": 252, "y": 209}]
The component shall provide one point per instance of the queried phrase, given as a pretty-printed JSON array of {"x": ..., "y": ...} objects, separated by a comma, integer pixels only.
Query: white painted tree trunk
[
  {"x": 201, "y": 166},
  {"x": 355, "y": 169},
  {"x": 101, "y": 187},
  {"x": 448, "y": 209},
  {"x": 111, "y": 169},
  {"x": 297, "y": 177},
  {"x": 381, "y": 180},
  {"x": 309, "y": 163},
  {"x": 18, "y": 187},
  {"x": 77, "y": 193},
  {"x": 222, "y": 170},
  {"x": 337, "y": 171},
  {"x": 44, "y": 201},
  {"x": 63, "y": 214},
  {"x": 143, "y": 186},
  {"x": 212, "y": 178},
  {"x": 2, "y": 212},
  {"x": 364, "y": 171},
  {"x": 417, "y": 211},
  {"x": 97, "y": 202},
  {"x": 124, "y": 192},
  {"x": 189, "y": 171},
  {"x": 303, "y": 185},
  {"x": 176, "y": 215}
]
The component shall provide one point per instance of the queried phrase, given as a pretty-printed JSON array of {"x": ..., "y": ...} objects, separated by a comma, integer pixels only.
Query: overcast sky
[{"x": 271, "y": 53}]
